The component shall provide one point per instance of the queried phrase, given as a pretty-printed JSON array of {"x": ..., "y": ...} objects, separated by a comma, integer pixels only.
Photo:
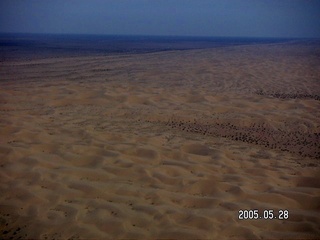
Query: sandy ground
[{"x": 162, "y": 145}]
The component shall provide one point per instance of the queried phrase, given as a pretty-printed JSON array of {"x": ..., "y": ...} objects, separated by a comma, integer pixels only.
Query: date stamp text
[{"x": 265, "y": 214}]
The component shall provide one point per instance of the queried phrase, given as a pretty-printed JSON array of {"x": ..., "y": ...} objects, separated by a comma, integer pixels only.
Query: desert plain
[{"x": 162, "y": 145}]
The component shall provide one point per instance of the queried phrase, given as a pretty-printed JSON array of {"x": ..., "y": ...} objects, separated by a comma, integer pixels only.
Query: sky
[{"x": 230, "y": 18}]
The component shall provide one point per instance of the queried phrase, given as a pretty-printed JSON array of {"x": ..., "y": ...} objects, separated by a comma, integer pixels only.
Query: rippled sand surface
[{"x": 162, "y": 145}]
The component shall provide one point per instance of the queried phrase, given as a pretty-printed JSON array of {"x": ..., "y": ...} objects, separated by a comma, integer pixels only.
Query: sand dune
[{"x": 161, "y": 145}]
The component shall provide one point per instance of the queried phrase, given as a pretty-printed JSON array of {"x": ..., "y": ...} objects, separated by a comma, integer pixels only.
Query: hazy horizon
[
  {"x": 189, "y": 18},
  {"x": 153, "y": 36}
]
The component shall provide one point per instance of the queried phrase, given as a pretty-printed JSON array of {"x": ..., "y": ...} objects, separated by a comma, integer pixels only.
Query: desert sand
[{"x": 162, "y": 145}]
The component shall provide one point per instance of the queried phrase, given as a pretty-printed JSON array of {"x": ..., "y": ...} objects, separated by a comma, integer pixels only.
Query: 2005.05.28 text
[{"x": 265, "y": 214}]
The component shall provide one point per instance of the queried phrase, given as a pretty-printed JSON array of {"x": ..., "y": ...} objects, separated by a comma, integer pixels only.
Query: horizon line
[{"x": 154, "y": 35}]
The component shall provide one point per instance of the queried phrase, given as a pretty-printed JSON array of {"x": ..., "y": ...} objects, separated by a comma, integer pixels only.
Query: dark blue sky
[{"x": 251, "y": 18}]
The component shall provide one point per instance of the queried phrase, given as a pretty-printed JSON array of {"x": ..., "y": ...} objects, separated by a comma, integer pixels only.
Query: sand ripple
[{"x": 162, "y": 145}]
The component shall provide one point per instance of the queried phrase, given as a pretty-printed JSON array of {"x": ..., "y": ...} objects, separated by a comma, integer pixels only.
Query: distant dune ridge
[{"x": 162, "y": 145}]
